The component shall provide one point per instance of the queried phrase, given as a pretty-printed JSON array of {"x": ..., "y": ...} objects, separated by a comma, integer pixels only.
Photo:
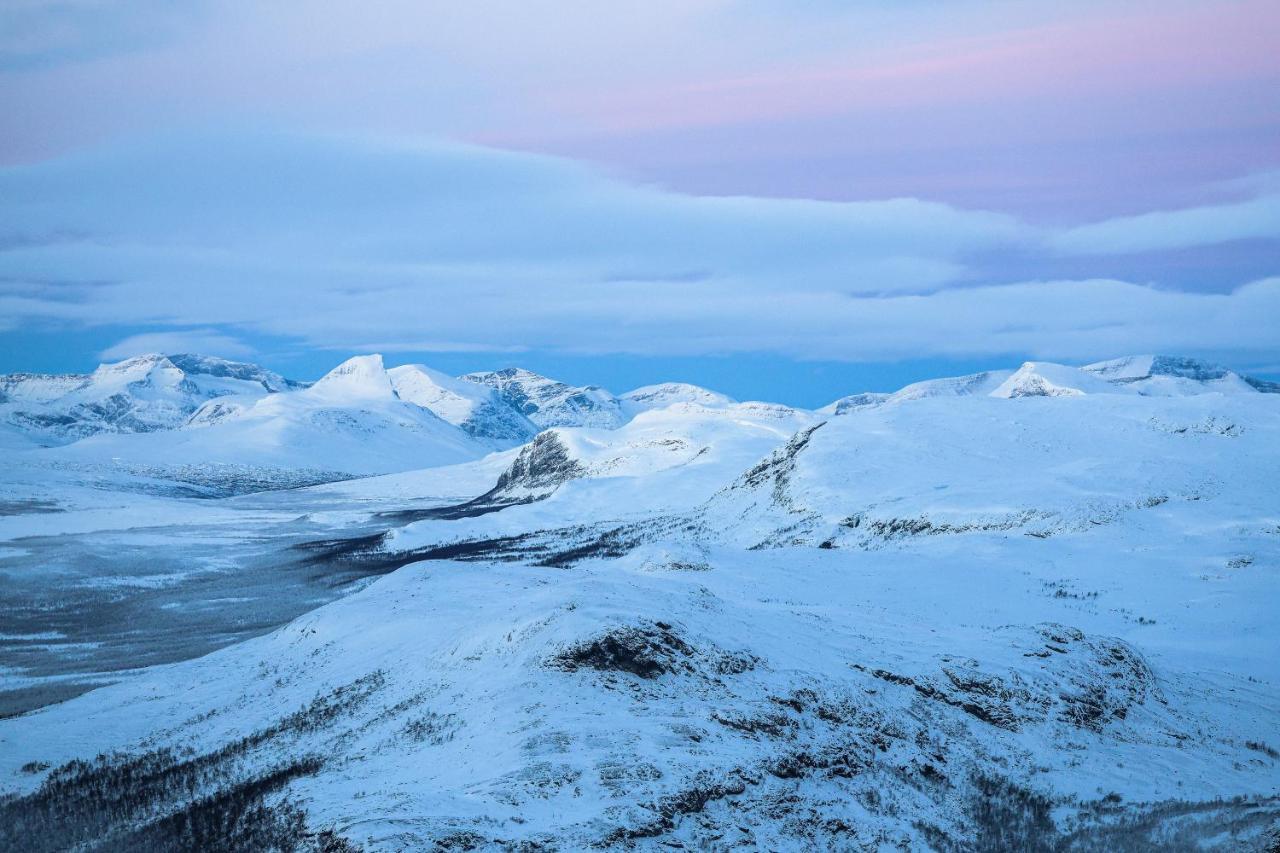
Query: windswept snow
[{"x": 1025, "y": 609}]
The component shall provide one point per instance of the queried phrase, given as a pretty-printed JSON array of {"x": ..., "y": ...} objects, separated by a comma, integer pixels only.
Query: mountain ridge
[{"x": 499, "y": 409}]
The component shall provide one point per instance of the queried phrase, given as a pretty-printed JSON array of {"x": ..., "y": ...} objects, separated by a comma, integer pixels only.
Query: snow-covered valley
[{"x": 394, "y": 610}]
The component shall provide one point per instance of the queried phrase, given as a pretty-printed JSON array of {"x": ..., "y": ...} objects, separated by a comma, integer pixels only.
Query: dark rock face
[
  {"x": 1262, "y": 385},
  {"x": 544, "y": 463},
  {"x": 199, "y": 364},
  {"x": 1187, "y": 368},
  {"x": 858, "y": 401},
  {"x": 498, "y": 421},
  {"x": 542, "y": 466},
  {"x": 778, "y": 467}
]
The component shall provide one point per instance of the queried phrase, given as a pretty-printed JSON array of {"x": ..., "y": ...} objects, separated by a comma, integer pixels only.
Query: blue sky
[{"x": 783, "y": 201}]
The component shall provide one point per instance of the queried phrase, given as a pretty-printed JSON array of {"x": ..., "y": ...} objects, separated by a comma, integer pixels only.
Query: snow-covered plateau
[{"x": 1029, "y": 609}]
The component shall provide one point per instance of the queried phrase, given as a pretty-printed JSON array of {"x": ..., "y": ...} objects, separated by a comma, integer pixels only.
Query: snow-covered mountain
[
  {"x": 1045, "y": 379},
  {"x": 1032, "y": 609},
  {"x": 549, "y": 403},
  {"x": 351, "y": 421},
  {"x": 668, "y": 393},
  {"x": 1163, "y": 375},
  {"x": 660, "y": 461},
  {"x": 142, "y": 394},
  {"x": 476, "y": 409},
  {"x": 1147, "y": 375}
]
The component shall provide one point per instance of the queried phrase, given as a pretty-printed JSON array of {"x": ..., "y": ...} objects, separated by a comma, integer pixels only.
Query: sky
[{"x": 782, "y": 200}]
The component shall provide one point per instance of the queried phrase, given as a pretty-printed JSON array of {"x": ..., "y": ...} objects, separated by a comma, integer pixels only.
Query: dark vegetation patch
[
  {"x": 704, "y": 788},
  {"x": 647, "y": 650},
  {"x": 898, "y": 766},
  {"x": 904, "y": 528},
  {"x": 338, "y": 562},
  {"x": 170, "y": 800},
  {"x": 1066, "y": 590},
  {"x": 432, "y": 728},
  {"x": 995, "y": 713},
  {"x": 1004, "y": 815},
  {"x": 611, "y": 543},
  {"x": 559, "y": 548},
  {"x": 1092, "y": 682},
  {"x": 473, "y": 508},
  {"x": 1259, "y": 746},
  {"x": 327, "y": 550},
  {"x": 364, "y": 556},
  {"x": 505, "y": 548}
]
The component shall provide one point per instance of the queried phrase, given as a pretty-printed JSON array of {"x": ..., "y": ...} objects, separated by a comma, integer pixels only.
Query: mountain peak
[
  {"x": 549, "y": 403},
  {"x": 1046, "y": 379},
  {"x": 475, "y": 408},
  {"x": 667, "y": 393},
  {"x": 360, "y": 376},
  {"x": 138, "y": 365}
]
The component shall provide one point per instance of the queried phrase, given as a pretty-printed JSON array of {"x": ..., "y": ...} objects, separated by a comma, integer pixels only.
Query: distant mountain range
[{"x": 362, "y": 418}]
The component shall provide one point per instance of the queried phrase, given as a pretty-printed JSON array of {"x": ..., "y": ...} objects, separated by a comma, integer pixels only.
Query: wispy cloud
[
  {"x": 1257, "y": 218},
  {"x": 201, "y": 341}
]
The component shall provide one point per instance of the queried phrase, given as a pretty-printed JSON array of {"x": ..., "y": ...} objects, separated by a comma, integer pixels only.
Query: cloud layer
[
  {"x": 1082, "y": 110},
  {"x": 350, "y": 244}
]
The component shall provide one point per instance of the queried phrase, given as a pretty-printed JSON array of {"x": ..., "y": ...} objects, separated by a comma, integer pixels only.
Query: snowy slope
[
  {"x": 973, "y": 621},
  {"x": 142, "y": 394},
  {"x": 474, "y": 408},
  {"x": 958, "y": 386},
  {"x": 351, "y": 421},
  {"x": 549, "y": 403},
  {"x": 1035, "y": 466},
  {"x": 663, "y": 461}
]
